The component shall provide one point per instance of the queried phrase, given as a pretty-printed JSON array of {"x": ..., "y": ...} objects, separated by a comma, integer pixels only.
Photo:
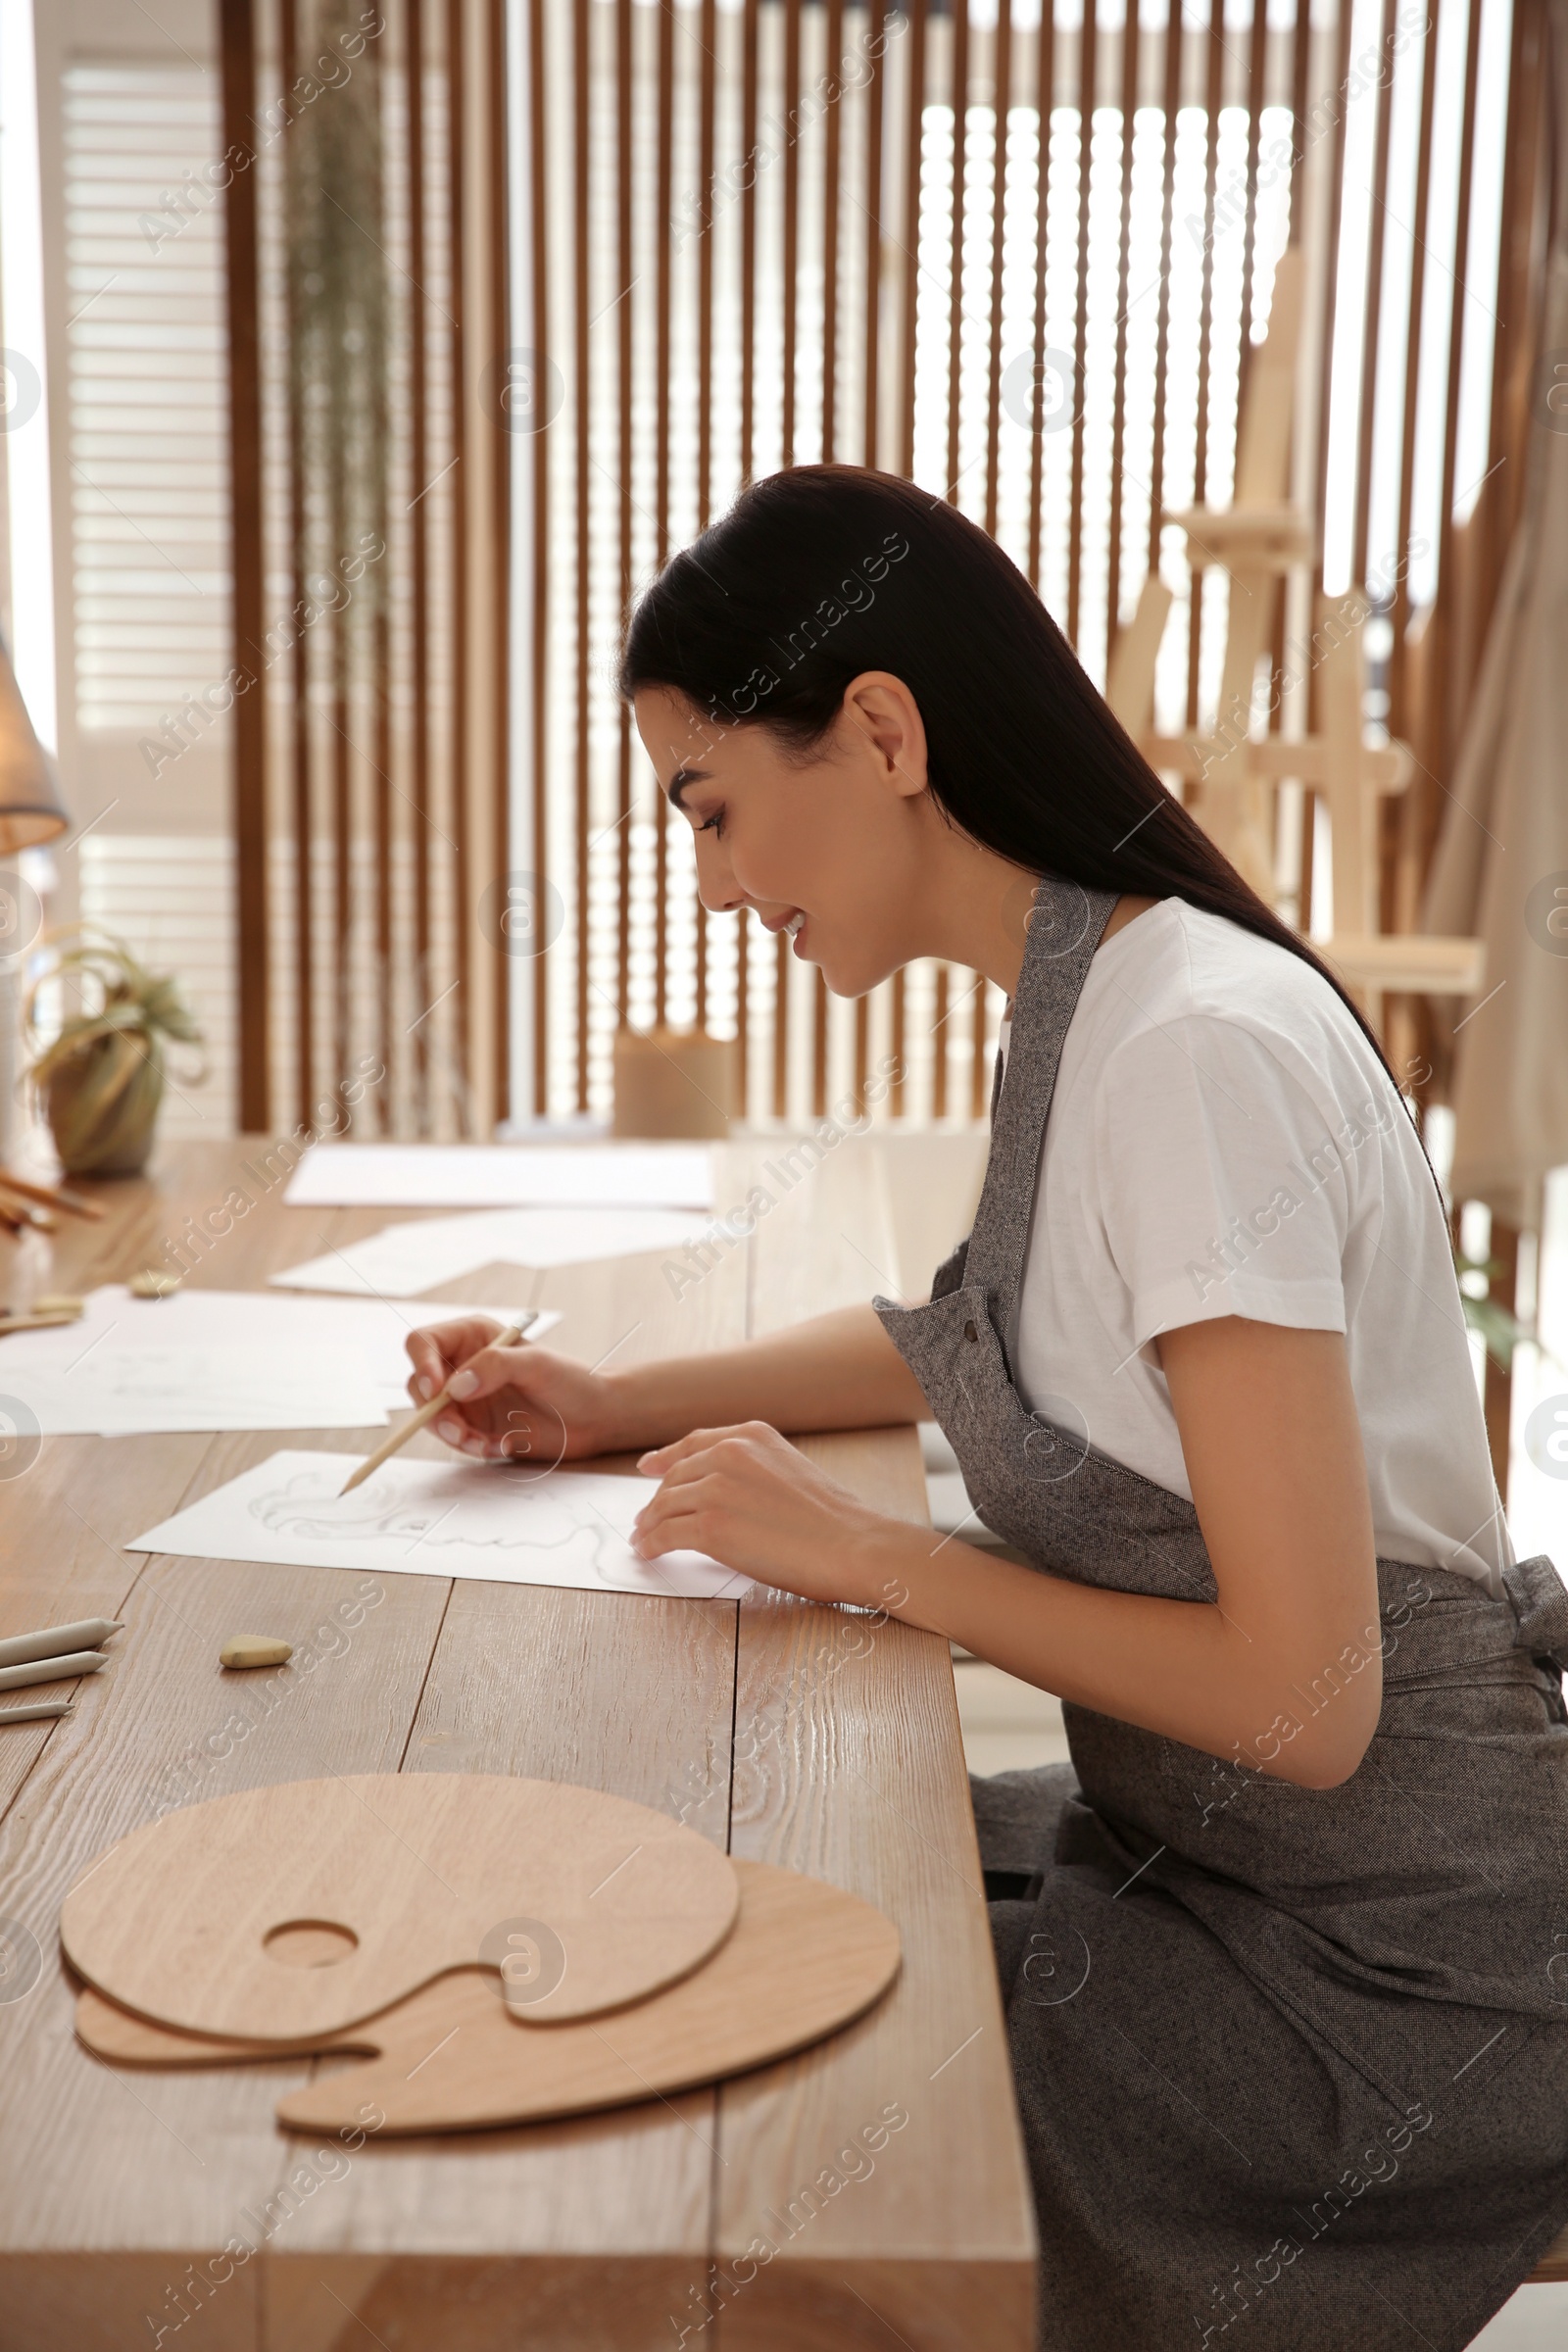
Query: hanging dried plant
[{"x": 101, "y": 1079}]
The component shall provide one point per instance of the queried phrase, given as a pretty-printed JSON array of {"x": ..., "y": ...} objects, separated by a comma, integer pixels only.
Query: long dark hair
[{"x": 824, "y": 571}]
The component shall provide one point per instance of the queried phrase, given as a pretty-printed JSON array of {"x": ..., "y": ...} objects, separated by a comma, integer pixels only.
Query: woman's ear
[{"x": 888, "y": 716}]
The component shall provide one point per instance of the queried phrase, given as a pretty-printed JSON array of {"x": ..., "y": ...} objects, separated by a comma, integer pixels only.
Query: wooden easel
[{"x": 1259, "y": 539}]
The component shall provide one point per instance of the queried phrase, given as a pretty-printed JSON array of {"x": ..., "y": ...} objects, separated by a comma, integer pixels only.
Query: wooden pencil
[
  {"x": 20, "y": 1206},
  {"x": 425, "y": 1414},
  {"x": 55, "y": 1195}
]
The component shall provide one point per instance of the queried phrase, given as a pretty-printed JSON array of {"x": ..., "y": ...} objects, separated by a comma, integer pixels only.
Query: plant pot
[{"x": 101, "y": 1102}]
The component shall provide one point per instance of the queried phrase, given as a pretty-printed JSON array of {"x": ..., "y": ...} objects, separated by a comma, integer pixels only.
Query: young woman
[{"x": 1285, "y": 1949}]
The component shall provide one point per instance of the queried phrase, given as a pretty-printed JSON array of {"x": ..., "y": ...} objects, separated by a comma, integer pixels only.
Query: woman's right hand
[{"x": 512, "y": 1404}]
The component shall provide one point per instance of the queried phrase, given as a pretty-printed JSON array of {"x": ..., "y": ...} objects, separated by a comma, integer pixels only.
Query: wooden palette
[
  {"x": 802, "y": 1960},
  {"x": 284, "y": 1914}
]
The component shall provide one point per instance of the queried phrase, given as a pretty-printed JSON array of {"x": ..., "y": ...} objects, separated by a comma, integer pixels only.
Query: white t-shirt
[{"x": 1223, "y": 1141}]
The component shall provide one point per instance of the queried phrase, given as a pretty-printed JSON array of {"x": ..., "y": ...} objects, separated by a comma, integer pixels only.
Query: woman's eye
[{"x": 713, "y": 824}]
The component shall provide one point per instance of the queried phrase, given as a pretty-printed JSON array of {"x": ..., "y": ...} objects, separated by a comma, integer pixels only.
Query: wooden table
[{"x": 780, "y": 1730}]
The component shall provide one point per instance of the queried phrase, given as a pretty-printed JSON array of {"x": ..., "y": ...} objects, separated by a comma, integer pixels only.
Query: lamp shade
[{"x": 31, "y": 807}]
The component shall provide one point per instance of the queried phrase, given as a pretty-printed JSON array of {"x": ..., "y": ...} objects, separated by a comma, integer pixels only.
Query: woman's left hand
[{"x": 748, "y": 1498}]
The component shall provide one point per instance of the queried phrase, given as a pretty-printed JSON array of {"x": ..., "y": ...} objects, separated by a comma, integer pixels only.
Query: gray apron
[{"x": 1290, "y": 2061}]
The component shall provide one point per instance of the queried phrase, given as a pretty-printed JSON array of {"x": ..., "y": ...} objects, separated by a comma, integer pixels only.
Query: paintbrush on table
[{"x": 426, "y": 1413}]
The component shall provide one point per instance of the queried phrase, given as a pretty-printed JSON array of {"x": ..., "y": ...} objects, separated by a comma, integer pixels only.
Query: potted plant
[{"x": 100, "y": 1078}]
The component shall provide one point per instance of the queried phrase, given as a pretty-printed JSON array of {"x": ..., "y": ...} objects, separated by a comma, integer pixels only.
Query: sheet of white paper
[
  {"x": 220, "y": 1359},
  {"x": 502, "y": 1525},
  {"x": 403, "y": 1261},
  {"x": 503, "y": 1176}
]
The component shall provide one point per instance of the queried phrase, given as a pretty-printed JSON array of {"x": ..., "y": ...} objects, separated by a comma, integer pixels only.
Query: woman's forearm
[
  {"x": 1179, "y": 1668},
  {"x": 837, "y": 1371}
]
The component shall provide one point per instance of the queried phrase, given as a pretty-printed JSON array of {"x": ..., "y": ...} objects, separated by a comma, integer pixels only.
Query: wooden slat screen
[
  {"x": 870, "y": 285},
  {"x": 374, "y": 387},
  {"x": 1022, "y": 262}
]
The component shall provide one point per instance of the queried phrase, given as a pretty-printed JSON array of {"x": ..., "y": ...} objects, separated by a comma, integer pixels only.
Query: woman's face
[{"x": 834, "y": 849}]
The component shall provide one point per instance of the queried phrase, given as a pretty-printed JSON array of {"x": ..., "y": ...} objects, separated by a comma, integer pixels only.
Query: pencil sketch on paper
[
  {"x": 418, "y": 1517},
  {"x": 512, "y": 1516}
]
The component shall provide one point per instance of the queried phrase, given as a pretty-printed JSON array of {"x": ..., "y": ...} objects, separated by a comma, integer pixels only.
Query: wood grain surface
[
  {"x": 804, "y": 1959},
  {"x": 283, "y": 1913},
  {"x": 780, "y": 1732}
]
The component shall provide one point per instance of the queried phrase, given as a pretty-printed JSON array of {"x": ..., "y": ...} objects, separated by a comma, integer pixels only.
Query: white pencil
[
  {"x": 53, "y": 1670},
  {"x": 426, "y": 1413},
  {"x": 58, "y": 1640},
  {"x": 40, "y": 1709}
]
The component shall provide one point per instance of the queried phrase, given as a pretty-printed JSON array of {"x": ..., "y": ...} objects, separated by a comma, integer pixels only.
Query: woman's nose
[{"x": 717, "y": 885}]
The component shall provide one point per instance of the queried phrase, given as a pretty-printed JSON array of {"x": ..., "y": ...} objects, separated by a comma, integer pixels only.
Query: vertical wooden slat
[
  {"x": 1088, "y": 63},
  {"x": 1257, "y": 94},
  {"x": 1497, "y": 507},
  {"x": 1001, "y": 103},
  {"x": 1398, "y": 672},
  {"x": 1342, "y": 48},
  {"x": 749, "y": 69},
  {"x": 830, "y": 240},
  {"x": 300, "y": 665},
  {"x": 1301, "y": 67},
  {"x": 749, "y": 39},
  {"x": 708, "y": 36},
  {"x": 791, "y": 254},
  {"x": 458, "y": 479},
  {"x": 662, "y": 361},
  {"x": 1301, "y": 54},
  {"x": 582, "y": 550},
  {"x": 1521, "y": 282},
  {"x": 898, "y": 1043},
  {"x": 623, "y": 464},
  {"x": 912, "y": 157},
  {"x": 1444, "y": 616},
  {"x": 501, "y": 618},
  {"x": 1503, "y": 1250},
  {"x": 237, "y": 34},
  {"x": 382, "y": 852},
  {"x": 831, "y": 168},
  {"x": 877, "y": 26},
  {"x": 979, "y": 1067},
  {"x": 792, "y": 220},
  {"x": 1256, "y": 60},
  {"x": 1308, "y": 859},
  {"x": 342, "y": 808},
  {"x": 539, "y": 264},
  {"x": 939, "y": 1046},
  {"x": 1171, "y": 103},
  {"x": 419, "y": 615},
  {"x": 1044, "y": 98},
  {"x": 743, "y": 1014},
  {"x": 958, "y": 93},
  {"x": 1215, "y": 58},
  {"x": 781, "y": 1026},
  {"x": 1118, "y": 422},
  {"x": 1372, "y": 310},
  {"x": 707, "y": 93}
]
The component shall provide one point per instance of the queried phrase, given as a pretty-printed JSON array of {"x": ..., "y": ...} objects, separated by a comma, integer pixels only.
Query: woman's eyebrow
[{"x": 681, "y": 778}]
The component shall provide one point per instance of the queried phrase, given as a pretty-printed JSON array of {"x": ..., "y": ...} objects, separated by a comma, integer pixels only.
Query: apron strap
[
  {"x": 1540, "y": 1604},
  {"x": 1062, "y": 931}
]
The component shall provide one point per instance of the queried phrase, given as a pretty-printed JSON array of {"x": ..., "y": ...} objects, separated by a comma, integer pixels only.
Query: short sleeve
[{"x": 1224, "y": 1187}]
